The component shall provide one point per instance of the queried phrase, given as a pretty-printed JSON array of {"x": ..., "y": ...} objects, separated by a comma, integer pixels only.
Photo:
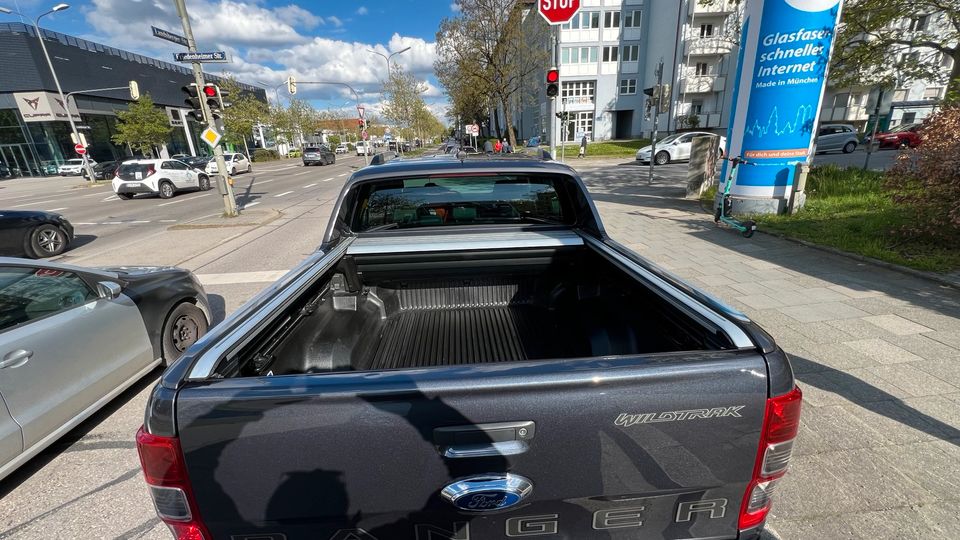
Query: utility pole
[
  {"x": 229, "y": 202},
  {"x": 876, "y": 123},
  {"x": 553, "y": 101},
  {"x": 656, "y": 119}
]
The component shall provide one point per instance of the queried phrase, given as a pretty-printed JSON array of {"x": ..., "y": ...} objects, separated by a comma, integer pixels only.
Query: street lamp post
[
  {"x": 276, "y": 90},
  {"x": 387, "y": 58},
  {"x": 53, "y": 72}
]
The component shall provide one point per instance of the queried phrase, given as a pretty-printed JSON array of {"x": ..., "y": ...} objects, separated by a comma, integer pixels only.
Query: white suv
[
  {"x": 73, "y": 167},
  {"x": 236, "y": 162},
  {"x": 163, "y": 177}
]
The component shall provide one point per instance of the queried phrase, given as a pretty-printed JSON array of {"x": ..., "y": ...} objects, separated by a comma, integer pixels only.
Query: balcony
[
  {"x": 719, "y": 7},
  {"x": 706, "y": 46},
  {"x": 706, "y": 120},
  {"x": 841, "y": 114},
  {"x": 702, "y": 84}
]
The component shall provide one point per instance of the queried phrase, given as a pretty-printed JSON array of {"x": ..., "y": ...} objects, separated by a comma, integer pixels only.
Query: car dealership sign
[{"x": 44, "y": 107}]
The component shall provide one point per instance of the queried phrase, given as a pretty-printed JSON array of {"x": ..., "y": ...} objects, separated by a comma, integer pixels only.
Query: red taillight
[
  {"x": 780, "y": 426},
  {"x": 166, "y": 475}
]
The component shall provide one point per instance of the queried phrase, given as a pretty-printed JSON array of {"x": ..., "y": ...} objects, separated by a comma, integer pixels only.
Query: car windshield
[
  {"x": 902, "y": 128},
  {"x": 670, "y": 139},
  {"x": 74, "y": 162},
  {"x": 450, "y": 201},
  {"x": 311, "y": 149}
]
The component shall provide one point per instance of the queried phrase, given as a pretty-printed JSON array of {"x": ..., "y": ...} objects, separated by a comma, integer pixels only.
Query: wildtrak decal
[{"x": 626, "y": 420}]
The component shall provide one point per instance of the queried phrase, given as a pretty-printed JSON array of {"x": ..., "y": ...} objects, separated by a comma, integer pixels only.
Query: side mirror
[{"x": 108, "y": 290}]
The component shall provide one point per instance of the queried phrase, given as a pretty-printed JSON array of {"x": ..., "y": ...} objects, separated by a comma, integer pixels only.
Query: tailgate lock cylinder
[{"x": 780, "y": 426}]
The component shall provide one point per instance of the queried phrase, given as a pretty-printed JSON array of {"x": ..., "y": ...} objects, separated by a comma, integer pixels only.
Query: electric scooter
[{"x": 725, "y": 206}]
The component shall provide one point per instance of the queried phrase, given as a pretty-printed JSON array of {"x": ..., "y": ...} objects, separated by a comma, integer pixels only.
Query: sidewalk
[{"x": 876, "y": 352}]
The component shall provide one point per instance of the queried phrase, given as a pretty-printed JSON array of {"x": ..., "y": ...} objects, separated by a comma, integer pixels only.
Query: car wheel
[
  {"x": 233, "y": 171},
  {"x": 849, "y": 147},
  {"x": 124, "y": 196},
  {"x": 185, "y": 324},
  {"x": 662, "y": 158},
  {"x": 166, "y": 190},
  {"x": 47, "y": 241},
  {"x": 204, "y": 183}
]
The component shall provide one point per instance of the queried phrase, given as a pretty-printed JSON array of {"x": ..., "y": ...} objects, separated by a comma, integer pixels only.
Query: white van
[{"x": 363, "y": 148}]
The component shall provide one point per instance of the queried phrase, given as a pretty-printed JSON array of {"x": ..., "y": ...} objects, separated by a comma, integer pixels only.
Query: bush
[
  {"x": 333, "y": 140},
  {"x": 927, "y": 178},
  {"x": 262, "y": 154}
]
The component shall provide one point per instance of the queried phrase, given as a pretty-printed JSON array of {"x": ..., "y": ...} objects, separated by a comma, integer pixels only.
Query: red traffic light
[
  {"x": 553, "y": 75},
  {"x": 210, "y": 90}
]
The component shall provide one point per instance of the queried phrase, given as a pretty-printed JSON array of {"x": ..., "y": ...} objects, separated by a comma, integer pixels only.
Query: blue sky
[{"x": 271, "y": 39}]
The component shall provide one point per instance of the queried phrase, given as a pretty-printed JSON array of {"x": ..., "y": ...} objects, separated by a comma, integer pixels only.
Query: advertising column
[{"x": 781, "y": 76}]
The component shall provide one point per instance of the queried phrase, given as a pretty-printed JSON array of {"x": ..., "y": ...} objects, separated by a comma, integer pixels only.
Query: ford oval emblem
[{"x": 487, "y": 492}]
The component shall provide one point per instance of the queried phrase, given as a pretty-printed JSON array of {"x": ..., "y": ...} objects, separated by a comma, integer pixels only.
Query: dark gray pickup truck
[{"x": 469, "y": 356}]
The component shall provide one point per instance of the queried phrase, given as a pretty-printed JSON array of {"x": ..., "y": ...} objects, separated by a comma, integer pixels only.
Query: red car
[{"x": 900, "y": 136}]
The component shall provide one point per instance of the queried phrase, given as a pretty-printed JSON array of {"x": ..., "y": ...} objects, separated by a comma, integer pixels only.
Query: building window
[
  {"x": 628, "y": 86},
  {"x": 611, "y": 19},
  {"x": 706, "y": 30},
  {"x": 919, "y": 23},
  {"x": 841, "y": 100},
  {"x": 580, "y": 122},
  {"x": 578, "y": 92},
  {"x": 703, "y": 68},
  {"x": 583, "y": 20},
  {"x": 696, "y": 107},
  {"x": 631, "y": 53},
  {"x": 908, "y": 118},
  {"x": 610, "y": 53},
  {"x": 901, "y": 94},
  {"x": 578, "y": 55},
  {"x": 632, "y": 19},
  {"x": 932, "y": 93}
]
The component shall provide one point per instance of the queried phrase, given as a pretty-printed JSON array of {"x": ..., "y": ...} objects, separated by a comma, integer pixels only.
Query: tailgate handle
[{"x": 484, "y": 440}]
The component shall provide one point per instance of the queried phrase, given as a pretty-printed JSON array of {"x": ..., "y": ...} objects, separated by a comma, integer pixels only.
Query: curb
[{"x": 931, "y": 276}]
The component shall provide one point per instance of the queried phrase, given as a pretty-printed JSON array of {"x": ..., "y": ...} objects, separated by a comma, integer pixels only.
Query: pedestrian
[
  {"x": 498, "y": 147},
  {"x": 583, "y": 146},
  {"x": 507, "y": 149},
  {"x": 488, "y": 147}
]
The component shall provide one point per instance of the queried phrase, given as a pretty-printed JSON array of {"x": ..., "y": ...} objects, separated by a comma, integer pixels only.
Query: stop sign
[
  {"x": 80, "y": 149},
  {"x": 558, "y": 11}
]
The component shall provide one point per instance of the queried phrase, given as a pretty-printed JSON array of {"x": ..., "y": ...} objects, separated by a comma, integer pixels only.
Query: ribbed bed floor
[{"x": 428, "y": 337}]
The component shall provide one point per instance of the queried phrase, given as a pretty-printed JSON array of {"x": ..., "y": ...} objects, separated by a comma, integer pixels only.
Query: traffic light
[
  {"x": 553, "y": 82},
  {"x": 291, "y": 85},
  {"x": 193, "y": 101},
  {"x": 664, "y": 99}
]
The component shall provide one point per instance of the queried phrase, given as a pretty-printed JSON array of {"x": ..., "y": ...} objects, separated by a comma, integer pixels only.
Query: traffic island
[{"x": 248, "y": 218}]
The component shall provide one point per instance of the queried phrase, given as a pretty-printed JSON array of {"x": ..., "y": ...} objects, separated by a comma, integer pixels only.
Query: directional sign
[
  {"x": 80, "y": 149},
  {"x": 211, "y": 137},
  {"x": 558, "y": 11},
  {"x": 207, "y": 57},
  {"x": 169, "y": 36}
]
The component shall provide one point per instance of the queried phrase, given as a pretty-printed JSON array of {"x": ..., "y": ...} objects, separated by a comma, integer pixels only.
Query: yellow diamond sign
[{"x": 211, "y": 137}]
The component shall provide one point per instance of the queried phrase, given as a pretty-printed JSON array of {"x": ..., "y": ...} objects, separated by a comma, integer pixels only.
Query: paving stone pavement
[{"x": 876, "y": 352}]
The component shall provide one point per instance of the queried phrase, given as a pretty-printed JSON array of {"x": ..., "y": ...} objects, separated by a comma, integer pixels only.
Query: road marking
[
  {"x": 339, "y": 175},
  {"x": 251, "y": 204},
  {"x": 112, "y": 198},
  {"x": 258, "y": 182},
  {"x": 32, "y": 203},
  {"x": 57, "y": 209},
  {"x": 111, "y": 223},
  {"x": 309, "y": 186},
  {"x": 138, "y": 222},
  {"x": 282, "y": 194},
  {"x": 233, "y": 278},
  {"x": 82, "y": 223},
  {"x": 328, "y": 179},
  {"x": 171, "y": 202},
  {"x": 168, "y": 221},
  {"x": 301, "y": 173}
]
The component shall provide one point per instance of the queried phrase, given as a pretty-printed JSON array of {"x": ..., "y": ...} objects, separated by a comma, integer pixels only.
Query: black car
[
  {"x": 104, "y": 170},
  {"x": 33, "y": 234},
  {"x": 197, "y": 162},
  {"x": 321, "y": 154}
]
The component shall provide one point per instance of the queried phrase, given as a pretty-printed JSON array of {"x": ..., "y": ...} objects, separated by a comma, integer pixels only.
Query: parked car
[
  {"x": 72, "y": 167},
  {"x": 900, "y": 136},
  {"x": 342, "y": 148},
  {"x": 197, "y": 162},
  {"x": 33, "y": 234},
  {"x": 469, "y": 354},
  {"x": 675, "y": 147},
  {"x": 833, "y": 137},
  {"x": 5, "y": 171},
  {"x": 181, "y": 157},
  {"x": 320, "y": 154},
  {"x": 72, "y": 339},
  {"x": 163, "y": 177},
  {"x": 235, "y": 161},
  {"x": 363, "y": 148},
  {"x": 104, "y": 170}
]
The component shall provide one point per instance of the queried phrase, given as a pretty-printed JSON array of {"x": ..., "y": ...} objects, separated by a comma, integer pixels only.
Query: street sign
[
  {"x": 203, "y": 57},
  {"x": 169, "y": 36},
  {"x": 558, "y": 11},
  {"x": 210, "y": 137},
  {"x": 364, "y": 135},
  {"x": 80, "y": 149},
  {"x": 472, "y": 129},
  {"x": 360, "y": 111}
]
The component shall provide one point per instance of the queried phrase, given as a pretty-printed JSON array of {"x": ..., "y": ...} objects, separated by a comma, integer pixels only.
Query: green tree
[
  {"x": 142, "y": 126},
  {"x": 402, "y": 96},
  {"x": 243, "y": 114}
]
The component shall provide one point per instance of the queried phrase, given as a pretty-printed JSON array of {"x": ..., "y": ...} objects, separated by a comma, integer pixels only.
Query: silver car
[
  {"x": 833, "y": 137},
  {"x": 72, "y": 339}
]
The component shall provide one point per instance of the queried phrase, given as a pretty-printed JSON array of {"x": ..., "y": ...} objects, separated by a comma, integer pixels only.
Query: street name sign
[
  {"x": 211, "y": 137},
  {"x": 208, "y": 57},
  {"x": 169, "y": 36},
  {"x": 558, "y": 11}
]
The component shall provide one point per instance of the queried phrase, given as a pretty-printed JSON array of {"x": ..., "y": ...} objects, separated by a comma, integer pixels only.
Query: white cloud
[
  {"x": 297, "y": 16},
  {"x": 334, "y": 20},
  {"x": 455, "y": 7},
  {"x": 362, "y": 10}
]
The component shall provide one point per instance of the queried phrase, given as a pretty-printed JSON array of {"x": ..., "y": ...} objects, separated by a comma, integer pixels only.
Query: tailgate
[{"x": 626, "y": 447}]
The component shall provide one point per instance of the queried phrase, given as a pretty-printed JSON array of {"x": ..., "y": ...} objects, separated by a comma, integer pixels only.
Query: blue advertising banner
[{"x": 781, "y": 77}]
